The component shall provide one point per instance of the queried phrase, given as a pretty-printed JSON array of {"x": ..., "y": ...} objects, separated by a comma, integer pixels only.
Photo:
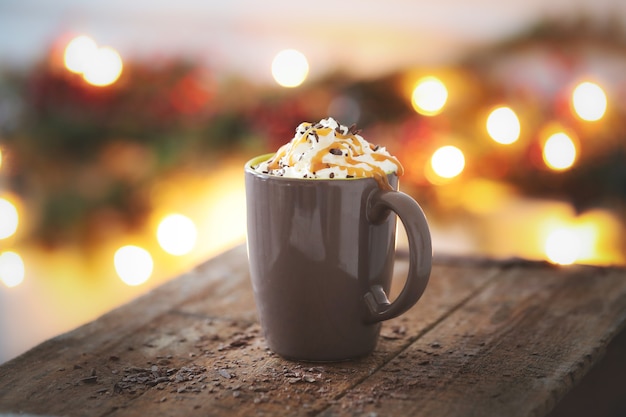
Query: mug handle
[{"x": 420, "y": 254}]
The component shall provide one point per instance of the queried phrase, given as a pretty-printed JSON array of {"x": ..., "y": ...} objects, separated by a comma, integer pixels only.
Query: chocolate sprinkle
[
  {"x": 353, "y": 130},
  {"x": 335, "y": 151},
  {"x": 331, "y": 175}
]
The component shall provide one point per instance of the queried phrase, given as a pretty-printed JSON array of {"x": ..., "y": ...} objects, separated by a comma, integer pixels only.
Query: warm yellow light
[
  {"x": 503, "y": 125},
  {"x": 448, "y": 161},
  {"x": 9, "y": 219},
  {"x": 563, "y": 246},
  {"x": 290, "y": 68},
  {"x": 559, "y": 151},
  {"x": 429, "y": 96},
  {"x": 589, "y": 101},
  {"x": 601, "y": 233},
  {"x": 594, "y": 237},
  {"x": 0, "y": 158},
  {"x": 133, "y": 264},
  {"x": 177, "y": 234},
  {"x": 11, "y": 269},
  {"x": 99, "y": 66},
  {"x": 104, "y": 67},
  {"x": 78, "y": 53}
]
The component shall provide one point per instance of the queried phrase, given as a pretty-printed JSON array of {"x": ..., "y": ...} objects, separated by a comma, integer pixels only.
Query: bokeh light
[
  {"x": 503, "y": 125},
  {"x": 290, "y": 68},
  {"x": 563, "y": 246},
  {"x": 78, "y": 53},
  {"x": 448, "y": 161},
  {"x": 99, "y": 67},
  {"x": 177, "y": 234},
  {"x": 559, "y": 151},
  {"x": 133, "y": 264},
  {"x": 429, "y": 96},
  {"x": 9, "y": 219},
  {"x": 11, "y": 269},
  {"x": 589, "y": 101},
  {"x": 104, "y": 68}
]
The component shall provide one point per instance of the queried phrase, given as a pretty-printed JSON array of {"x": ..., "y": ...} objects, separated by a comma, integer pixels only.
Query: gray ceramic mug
[{"x": 321, "y": 255}]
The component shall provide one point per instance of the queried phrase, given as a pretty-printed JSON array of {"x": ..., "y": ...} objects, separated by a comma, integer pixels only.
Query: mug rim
[{"x": 260, "y": 158}]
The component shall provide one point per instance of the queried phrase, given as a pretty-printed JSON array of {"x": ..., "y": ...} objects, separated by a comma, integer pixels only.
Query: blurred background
[{"x": 124, "y": 127}]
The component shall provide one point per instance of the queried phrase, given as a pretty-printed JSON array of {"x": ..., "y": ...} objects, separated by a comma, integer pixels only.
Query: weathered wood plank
[
  {"x": 194, "y": 344},
  {"x": 32, "y": 381},
  {"x": 264, "y": 384},
  {"x": 513, "y": 350},
  {"x": 488, "y": 338}
]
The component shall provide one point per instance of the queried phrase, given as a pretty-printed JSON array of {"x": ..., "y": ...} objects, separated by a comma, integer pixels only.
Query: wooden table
[{"x": 489, "y": 338}]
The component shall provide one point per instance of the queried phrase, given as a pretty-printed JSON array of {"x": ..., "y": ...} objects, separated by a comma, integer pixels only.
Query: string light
[
  {"x": 290, "y": 68},
  {"x": 104, "y": 68},
  {"x": 133, "y": 264},
  {"x": 559, "y": 152},
  {"x": 177, "y": 234},
  {"x": 563, "y": 246},
  {"x": 78, "y": 52},
  {"x": 9, "y": 219},
  {"x": 11, "y": 269},
  {"x": 448, "y": 161},
  {"x": 503, "y": 125},
  {"x": 429, "y": 96},
  {"x": 589, "y": 101}
]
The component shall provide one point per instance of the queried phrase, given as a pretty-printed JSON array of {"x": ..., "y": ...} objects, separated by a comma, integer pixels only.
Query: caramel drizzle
[{"x": 343, "y": 142}]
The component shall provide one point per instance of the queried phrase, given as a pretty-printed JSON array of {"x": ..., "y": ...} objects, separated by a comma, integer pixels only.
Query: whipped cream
[{"x": 328, "y": 150}]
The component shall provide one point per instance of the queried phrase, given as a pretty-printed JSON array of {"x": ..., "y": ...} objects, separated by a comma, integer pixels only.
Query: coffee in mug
[{"x": 321, "y": 219}]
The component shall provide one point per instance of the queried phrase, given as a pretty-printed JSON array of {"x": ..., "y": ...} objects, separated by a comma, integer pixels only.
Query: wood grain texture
[
  {"x": 515, "y": 349},
  {"x": 487, "y": 338}
]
